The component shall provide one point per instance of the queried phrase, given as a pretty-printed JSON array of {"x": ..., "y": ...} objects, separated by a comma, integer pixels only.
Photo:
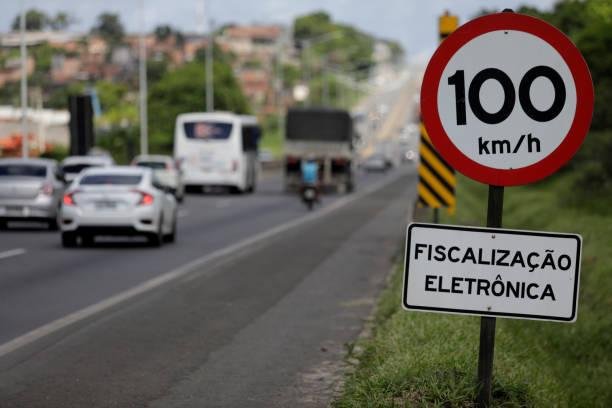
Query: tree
[
  {"x": 311, "y": 25},
  {"x": 109, "y": 27},
  {"x": 163, "y": 32},
  {"x": 183, "y": 90},
  {"x": 61, "y": 21},
  {"x": 35, "y": 20}
]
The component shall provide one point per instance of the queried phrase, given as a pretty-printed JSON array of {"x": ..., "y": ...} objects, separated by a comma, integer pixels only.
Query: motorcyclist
[
  {"x": 310, "y": 171},
  {"x": 310, "y": 175}
]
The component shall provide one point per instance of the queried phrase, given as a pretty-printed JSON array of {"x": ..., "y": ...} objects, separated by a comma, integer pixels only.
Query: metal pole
[
  {"x": 325, "y": 81},
  {"x": 210, "y": 107},
  {"x": 306, "y": 69},
  {"x": 281, "y": 90},
  {"x": 142, "y": 76},
  {"x": 24, "y": 84},
  {"x": 487, "y": 324}
]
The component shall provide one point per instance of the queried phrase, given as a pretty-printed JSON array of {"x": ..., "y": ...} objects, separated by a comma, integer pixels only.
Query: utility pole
[
  {"x": 281, "y": 89},
  {"x": 325, "y": 79},
  {"x": 210, "y": 101},
  {"x": 142, "y": 76},
  {"x": 24, "y": 83}
]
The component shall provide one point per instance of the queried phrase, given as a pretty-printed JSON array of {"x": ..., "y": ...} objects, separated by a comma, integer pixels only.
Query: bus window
[
  {"x": 250, "y": 138},
  {"x": 208, "y": 130}
]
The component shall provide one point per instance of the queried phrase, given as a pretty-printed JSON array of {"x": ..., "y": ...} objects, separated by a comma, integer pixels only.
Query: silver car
[
  {"x": 73, "y": 165},
  {"x": 165, "y": 171},
  {"x": 117, "y": 200},
  {"x": 30, "y": 190}
]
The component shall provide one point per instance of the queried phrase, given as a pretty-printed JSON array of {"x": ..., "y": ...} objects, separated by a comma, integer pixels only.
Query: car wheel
[
  {"x": 171, "y": 237},
  {"x": 157, "y": 238},
  {"x": 235, "y": 190},
  {"x": 68, "y": 240}
]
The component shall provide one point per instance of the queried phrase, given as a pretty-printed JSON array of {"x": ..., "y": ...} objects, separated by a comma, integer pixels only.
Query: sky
[{"x": 411, "y": 22}]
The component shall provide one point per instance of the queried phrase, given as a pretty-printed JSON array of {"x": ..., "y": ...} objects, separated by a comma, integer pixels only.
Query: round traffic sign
[{"x": 507, "y": 99}]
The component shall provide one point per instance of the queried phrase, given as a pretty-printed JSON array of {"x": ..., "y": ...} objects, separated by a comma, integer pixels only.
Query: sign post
[
  {"x": 495, "y": 209},
  {"x": 507, "y": 99}
]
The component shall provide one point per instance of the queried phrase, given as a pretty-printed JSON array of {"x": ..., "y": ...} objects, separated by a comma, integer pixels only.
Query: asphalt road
[
  {"x": 252, "y": 306},
  {"x": 258, "y": 327},
  {"x": 40, "y": 281}
]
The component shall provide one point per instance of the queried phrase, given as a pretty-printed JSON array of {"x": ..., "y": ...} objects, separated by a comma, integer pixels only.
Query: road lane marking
[
  {"x": 187, "y": 268},
  {"x": 12, "y": 252}
]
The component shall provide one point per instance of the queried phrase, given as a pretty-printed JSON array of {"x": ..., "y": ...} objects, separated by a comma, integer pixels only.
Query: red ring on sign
[{"x": 584, "y": 99}]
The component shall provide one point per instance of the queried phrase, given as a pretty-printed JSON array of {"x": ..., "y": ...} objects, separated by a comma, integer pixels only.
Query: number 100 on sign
[{"x": 507, "y": 99}]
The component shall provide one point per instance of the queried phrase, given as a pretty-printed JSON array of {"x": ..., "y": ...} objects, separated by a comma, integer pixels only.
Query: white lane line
[
  {"x": 12, "y": 252},
  {"x": 185, "y": 269}
]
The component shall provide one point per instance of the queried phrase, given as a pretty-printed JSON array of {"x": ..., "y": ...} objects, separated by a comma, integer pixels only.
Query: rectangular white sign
[{"x": 492, "y": 272}]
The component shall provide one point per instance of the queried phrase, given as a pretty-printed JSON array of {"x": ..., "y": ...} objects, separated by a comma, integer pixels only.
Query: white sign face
[
  {"x": 507, "y": 99},
  {"x": 492, "y": 272}
]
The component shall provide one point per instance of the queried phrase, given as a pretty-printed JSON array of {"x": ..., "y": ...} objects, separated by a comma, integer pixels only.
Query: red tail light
[
  {"x": 69, "y": 199},
  {"x": 47, "y": 188},
  {"x": 145, "y": 198}
]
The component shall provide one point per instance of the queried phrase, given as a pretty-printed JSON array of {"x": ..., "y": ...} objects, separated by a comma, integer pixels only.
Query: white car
[
  {"x": 73, "y": 165},
  {"x": 166, "y": 172},
  {"x": 117, "y": 200}
]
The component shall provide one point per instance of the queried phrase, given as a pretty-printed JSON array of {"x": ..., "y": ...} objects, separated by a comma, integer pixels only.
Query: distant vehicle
[
  {"x": 166, "y": 172},
  {"x": 326, "y": 135},
  {"x": 265, "y": 157},
  {"x": 117, "y": 200},
  {"x": 218, "y": 149},
  {"x": 30, "y": 189},
  {"x": 376, "y": 163},
  {"x": 409, "y": 155},
  {"x": 73, "y": 165},
  {"x": 409, "y": 132}
]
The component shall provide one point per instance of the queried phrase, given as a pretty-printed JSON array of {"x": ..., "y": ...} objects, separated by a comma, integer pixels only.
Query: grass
[
  {"x": 272, "y": 140},
  {"x": 426, "y": 359}
]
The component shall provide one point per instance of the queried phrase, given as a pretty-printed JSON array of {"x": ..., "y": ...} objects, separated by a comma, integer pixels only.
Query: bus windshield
[{"x": 207, "y": 130}]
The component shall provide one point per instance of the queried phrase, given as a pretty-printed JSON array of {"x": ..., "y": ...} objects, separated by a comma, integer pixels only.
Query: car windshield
[
  {"x": 157, "y": 165},
  {"x": 77, "y": 168},
  {"x": 22, "y": 170},
  {"x": 207, "y": 130},
  {"x": 111, "y": 179}
]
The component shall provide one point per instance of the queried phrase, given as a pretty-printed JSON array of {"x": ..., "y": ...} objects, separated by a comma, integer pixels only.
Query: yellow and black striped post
[{"x": 437, "y": 179}]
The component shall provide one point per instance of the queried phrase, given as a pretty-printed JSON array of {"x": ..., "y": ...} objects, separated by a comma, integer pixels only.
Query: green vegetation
[
  {"x": 183, "y": 90},
  {"x": 417, "y": 359},
  {"x": 272, "y": 139},
  {"x": 37, "y": 20},
  {"x": 426, "y": 359},
  {"x": 331, "y": 50},
  {"x": 109, "y": 27}
]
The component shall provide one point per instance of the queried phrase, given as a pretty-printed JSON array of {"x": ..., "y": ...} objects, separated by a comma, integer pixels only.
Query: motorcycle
[{"x": 310, "y": 195}]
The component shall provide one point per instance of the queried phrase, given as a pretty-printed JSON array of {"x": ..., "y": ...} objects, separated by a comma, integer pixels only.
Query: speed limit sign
[{"x": 507, "y": 99}]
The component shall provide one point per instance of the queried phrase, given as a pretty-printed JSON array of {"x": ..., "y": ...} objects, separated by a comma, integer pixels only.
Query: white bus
[{"x": 218, "y": 149}]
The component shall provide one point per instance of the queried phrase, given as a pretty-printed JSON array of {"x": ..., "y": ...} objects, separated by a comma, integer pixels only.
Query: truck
[{"x": 325, "y": 135}]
